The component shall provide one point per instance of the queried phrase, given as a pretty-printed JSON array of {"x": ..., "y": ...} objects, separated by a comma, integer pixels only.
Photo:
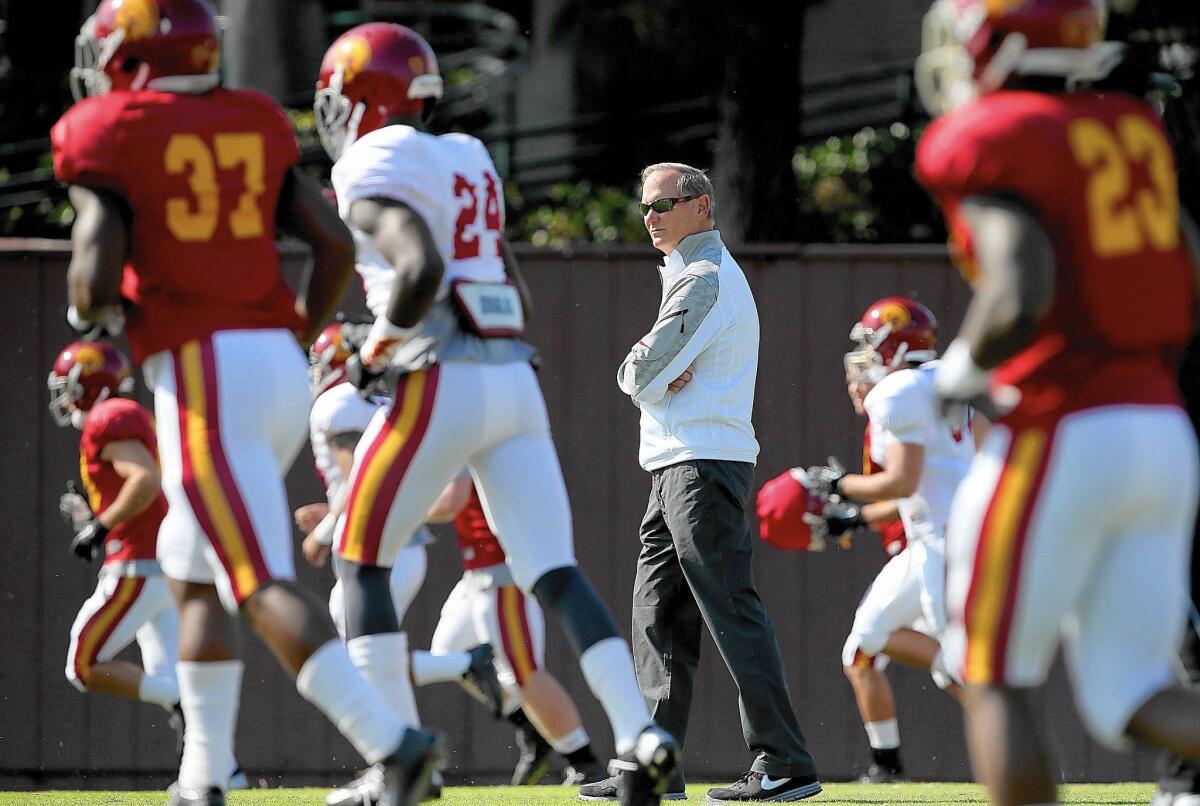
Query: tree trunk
[{"x": 759, "y": 120}]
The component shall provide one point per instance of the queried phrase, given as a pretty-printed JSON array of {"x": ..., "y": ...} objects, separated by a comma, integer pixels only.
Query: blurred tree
[{"x": 743, "y": 58}]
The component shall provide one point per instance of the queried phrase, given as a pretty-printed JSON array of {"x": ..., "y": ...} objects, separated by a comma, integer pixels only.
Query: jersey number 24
[{"x": 468, "y": 229}]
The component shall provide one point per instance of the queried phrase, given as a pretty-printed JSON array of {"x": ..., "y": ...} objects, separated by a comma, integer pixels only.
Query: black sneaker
[
  {"x": 761, "y": 788},
  {"x": 187, "y": 797},
  {"x": 606, "y": 789},
  {"x": 583, "y": 773},
  {"x": 407, "y": 771},
  {"x": 647, "y": 769},
  {"x": 480, "y": 677},
  {"x": 534, "y": 762}
]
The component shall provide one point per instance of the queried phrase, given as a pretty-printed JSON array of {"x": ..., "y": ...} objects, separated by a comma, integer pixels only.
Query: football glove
[
  {"x": 106, "y": 322},
  {"x": 88, "y": 543},
  {"x": 74, "y": 508},
  {"x": 839, "y": 520},
  {"x": 823, "y": 479}
]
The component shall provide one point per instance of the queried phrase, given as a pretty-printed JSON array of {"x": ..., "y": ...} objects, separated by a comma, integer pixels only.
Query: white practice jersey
[
  {"x": 903, "y": 408},
  {"x": 451, "y": 182},
  {"x": 338, "y": 410}
]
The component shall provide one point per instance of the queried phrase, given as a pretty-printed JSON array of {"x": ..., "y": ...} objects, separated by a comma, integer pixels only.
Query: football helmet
[
  {"x": 171, "y": 45},
  {"x": 892, "y": 332},
  {"x": 85, "y": 373},
  {"x": 972, "y": 47},
  {"x": 371, "y": 73},
  {"x": 328, "y": 355}
]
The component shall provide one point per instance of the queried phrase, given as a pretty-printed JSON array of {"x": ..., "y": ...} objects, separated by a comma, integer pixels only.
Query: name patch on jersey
[{"x": 490, "y": 310}]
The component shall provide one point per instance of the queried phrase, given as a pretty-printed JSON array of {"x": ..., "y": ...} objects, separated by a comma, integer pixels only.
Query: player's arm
[
  {"x": 878, "y": 513},
  {"x": 304, "y": 212},
  {"x": 980, "y": 428},
  {"x": 901, "y": 474},
  {"x": 513, "y": 269},
  {"x": 318, "y": 542},
  {"x": 99, "y": 241},
  {"x": 134, "y": 463},
  {"x": 1016, "y": 280},
  {"x": 404, "y": 239},
  {"x": 452, "y": 500}
]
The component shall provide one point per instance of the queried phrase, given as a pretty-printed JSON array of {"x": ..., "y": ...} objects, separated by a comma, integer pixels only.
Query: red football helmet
[
  {"x": 130, "y": 44},
  {"x": 971, "y": 47},
  {"x": 369, "y": 74},
  {"x": 782, "y": 504},
  {"x": 328, "y": 355},
  {"x": 893, "y": 331},
  {"x": 85, "y": 373}
]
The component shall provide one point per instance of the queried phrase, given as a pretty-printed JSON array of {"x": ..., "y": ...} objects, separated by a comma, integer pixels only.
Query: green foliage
[
  {"x": 574, "y": 213},
  {"x": 860, "y": 189}
]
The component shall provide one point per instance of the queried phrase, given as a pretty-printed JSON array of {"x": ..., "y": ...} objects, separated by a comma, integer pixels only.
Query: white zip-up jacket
[{"x": 707, "y": 319}]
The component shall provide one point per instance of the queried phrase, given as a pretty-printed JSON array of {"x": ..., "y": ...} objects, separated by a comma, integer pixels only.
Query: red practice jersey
[
  {"x": 891, "y": 534},
  {"x": 114, "y": 420},
  {"x": 479, "y": 547},
  {"x": 202, "y": 175},
  {"x": 1100, "y": 174}
]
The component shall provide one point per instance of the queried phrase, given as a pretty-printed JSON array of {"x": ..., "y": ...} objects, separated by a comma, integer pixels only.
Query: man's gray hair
[{"x": 692, "y": 182}]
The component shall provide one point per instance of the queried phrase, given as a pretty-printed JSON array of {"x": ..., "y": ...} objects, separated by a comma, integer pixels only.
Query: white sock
[
  {"x": 162, "y": 690},
  {"x": 571, "y": 742},
  {"x": 209, "y": 698},
  {"x": 430, "y": 668},
  {"x": 383, "y": 661},
  {"x": 329, "y": 681},
  {"x": 883, "y": 735},
  {"x": 608, "y": 668}
]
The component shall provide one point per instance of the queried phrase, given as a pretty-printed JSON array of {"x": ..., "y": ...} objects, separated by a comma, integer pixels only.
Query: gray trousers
[{"x": 694, "y": 568}]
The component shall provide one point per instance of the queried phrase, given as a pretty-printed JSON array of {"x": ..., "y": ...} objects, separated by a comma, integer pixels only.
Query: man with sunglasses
[{"x": 693, "y": 377}]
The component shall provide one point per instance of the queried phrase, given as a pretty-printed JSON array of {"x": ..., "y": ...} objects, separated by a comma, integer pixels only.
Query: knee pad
[
  {"x": 566, "y": 593},
  {"x": 367, "y": 599}
]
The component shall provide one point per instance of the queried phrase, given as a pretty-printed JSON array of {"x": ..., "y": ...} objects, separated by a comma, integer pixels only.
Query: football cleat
[
  {"x": 186, "y": 797},
  {"x": 583, "y": 773},
  {"x": 364, "y": 790},
  {"x": 877, "y": 774},
  {"x": 407, "y": 771},
  {"x": 646, "y": 770},
  {"x": 480, "y": 679},
  {"x": 534, "y": 762}
]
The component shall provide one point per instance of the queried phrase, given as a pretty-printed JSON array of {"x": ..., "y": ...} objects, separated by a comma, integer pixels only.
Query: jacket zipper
[{"x": 677, "y": 313}]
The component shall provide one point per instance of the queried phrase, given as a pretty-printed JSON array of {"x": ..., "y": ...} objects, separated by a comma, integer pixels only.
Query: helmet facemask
[
  {"x": 87, "y": 77},
  {"x": 337, "y": 121}
]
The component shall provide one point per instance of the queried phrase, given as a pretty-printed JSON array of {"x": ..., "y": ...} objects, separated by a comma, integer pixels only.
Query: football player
[
  {"x": 428, "y": 214},
  {"x": 178, "y": 187},
  {"x": 117, "y": 522},
  {"x": 914, "y": 460},
  {"x": 338, "y": 418},
  {"x": 1074, "y": 521},
  {"x": 487, "y": 606}
]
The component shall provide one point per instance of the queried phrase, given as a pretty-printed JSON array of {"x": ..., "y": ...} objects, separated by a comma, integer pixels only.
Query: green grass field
[{"x": 834, "y": 795}]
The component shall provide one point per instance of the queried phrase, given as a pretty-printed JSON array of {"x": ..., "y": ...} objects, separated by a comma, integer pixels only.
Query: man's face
[{"x": 684, "y": 219}]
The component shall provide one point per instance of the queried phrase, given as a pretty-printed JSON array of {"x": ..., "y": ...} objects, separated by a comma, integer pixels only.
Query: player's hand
[
  {"x": 315, "y": 552},
  {"x": 682, "y": 381},
  {"x": 308, "y": 516},
  {"x": 360, "y": 376},
  {"x": 88, "y": 543},
  {"x": 74, "y": 508},
  {"x": 843, "y": 519},
  {"x": 102, "y": 323},
  {"x": 823, "y": 479}
]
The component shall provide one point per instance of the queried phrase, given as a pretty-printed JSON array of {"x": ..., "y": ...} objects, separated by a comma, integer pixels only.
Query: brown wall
[{"x": 590, "y": 306}]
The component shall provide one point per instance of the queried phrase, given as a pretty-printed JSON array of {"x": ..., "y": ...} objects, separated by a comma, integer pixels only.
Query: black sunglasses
[{"x": 663, "y": 205}]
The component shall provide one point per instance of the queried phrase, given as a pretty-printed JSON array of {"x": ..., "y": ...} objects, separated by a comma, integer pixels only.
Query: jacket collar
[{"x": 686, "y": 252}]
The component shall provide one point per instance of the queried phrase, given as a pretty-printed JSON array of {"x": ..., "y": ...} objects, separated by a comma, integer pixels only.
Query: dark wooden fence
[{"x": 591, "y": 304}]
